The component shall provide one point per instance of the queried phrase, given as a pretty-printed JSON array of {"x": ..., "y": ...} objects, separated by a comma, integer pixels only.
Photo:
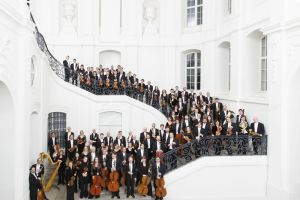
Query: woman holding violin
[{"x": 71, "y": 180}]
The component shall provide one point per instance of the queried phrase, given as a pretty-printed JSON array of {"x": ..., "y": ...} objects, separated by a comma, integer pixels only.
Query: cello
[
  {"x": 104, "y": 179},
  {"x": 113, "y": 185},
  {"x": 142, "y": 188},
  {"x": 160, "y": 190},
  {"x": 95, "y": 189}
]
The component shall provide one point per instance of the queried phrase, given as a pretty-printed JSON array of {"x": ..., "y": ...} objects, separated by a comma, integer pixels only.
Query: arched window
[
  {"x": 193, "y": 70},
  {"x": 110, "y": 121},
  {"x": 109, "y": 57},
  {"x": 57, "y": 122},
  {"x": 263, "y": 78},
  {"x": 194, "y": 12}
]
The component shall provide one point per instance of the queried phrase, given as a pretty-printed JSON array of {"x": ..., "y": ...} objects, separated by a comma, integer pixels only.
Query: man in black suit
[
  {"x": 34, "y": 183},
  {"x": 67, "y": 136},
  {"x": 158, "y": 171},
  {"x": 154, "y": 131},
  {"x": 120, "y": 140},
  {"x": 239, "y": 116},
  {"x": 74, "y": 69},
  {"x": 94, "y": 138},
  {"x": 108, "y": 139},
  {"x": 171, "y": 143},
  {"x": 205, "y": 130},
  {"x": 229, "y": 129},
  {"x": 52, "y": 142},
  {"x": 177, "y": 127},
  {"x": 143, "y": 135},
  {"x": 258, "y": 128},
  {"x": 217, "y": 107},
  {"x": 158, "y": 145},
  {"x": 131, "y": 173},
  {"x": 114, "y": 164},
  {"x": 149, "y": 90},
  {"x": 71, "y": 147},
  {"x": 148, "y": 142},
  {"x": 141, "y": 152},
  {"x": 66, "y": 64},
  {"x": 39, "y": 168}
]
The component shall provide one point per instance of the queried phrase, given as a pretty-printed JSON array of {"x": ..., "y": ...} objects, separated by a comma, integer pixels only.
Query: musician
[
  {"x": 197, "y": 131},
  {"x": 165, "y": 135},
  {"x": 34, "y": 183},
  {"x": 217, "y": 108},
  {"x": 108, "y": 139},
  {"x": 149, "y": 145},
  {"x": 81, "y": 140},
  {"x": 67, "y": 135},
  {"x": 74, "y": 68},
  {"x": 61, "y": 170},
  {"x": 158, "y": 146},
  {"x": 114, "y": 165},
  {"x": 84, "y": 171},
  {"x": 141, "y": 153},
  {"x": 144, "y": 169},
  {"x": 123, "y": 156},
  {"x": 158, "y": 171},
  {"x": 101, "y": 141},
  {"x": 130, "y": 171},
  {"x": 155, "y": 97},
  {"x": 154, "y": 131},
  {"x": 52, "y": 143},
  {"x": 95, "y": 172},
  {"x": 66, "y": 64},
  {"x": 92, "y": 155},
  {"x": 94, "y": 138},
  {"x": 186, "y": 122},
  {"x": 134, "y": 142},
  {"x": 141, "y": 87},
  {"x": 229, "y": 128},
  {"x": 71, "y": 147},
  {"x": 120, "y": 139},
  {"x": 143, "y": 135},
  {"x": 71, "y": 180},
  {"x": 205, "y": 127},
  {"x": 258, "y": 128},
  {"x": 239, "y": 116},
  {"x": 171, "y": 142},
  {"x": 149, "y": 90},
  {"x": 104, "y": 158},
  {"x": 39, "y": 168},
  {"x": 177, "y": 127}
]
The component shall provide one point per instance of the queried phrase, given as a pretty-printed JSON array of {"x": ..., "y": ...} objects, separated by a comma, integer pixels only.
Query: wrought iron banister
[{"x": 237, "y": 145}]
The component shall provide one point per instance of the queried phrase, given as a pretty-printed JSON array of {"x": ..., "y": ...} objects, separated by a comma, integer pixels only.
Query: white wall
[
  {"x": 83, "y": 108},
  {"x": 232, "y": 177}
]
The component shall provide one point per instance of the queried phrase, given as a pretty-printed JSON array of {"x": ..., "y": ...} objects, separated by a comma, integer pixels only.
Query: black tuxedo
[
  {"x": 152, "y": 131},
  {"x": 173, "y": 145},
  {"x": 260, "y": 128},
  {"x": 176, "y": 129},
  {"x": 41, "y": 170},
  {"x": 108, "y": 139},
  {"x": 118, "y": 165},
  {"x": 71, "y": 154},
  {"x": 34, "y": 185},
  {"x": 225, "y": 127},
  {"x": 122, "y": 141},
  {"x": 139, "y": 155},
  {"x": 66, "y": 137},
  {"x": 131, "y": 174},
  {"x": 143, "y": 136},
  {"x": 205, "y": 130},
  {"x": 156, "y": 170},
  {"x": 51, "y": 145},
  {"x": 95, "y": 138},
  {"x": 155, "y": 146}
]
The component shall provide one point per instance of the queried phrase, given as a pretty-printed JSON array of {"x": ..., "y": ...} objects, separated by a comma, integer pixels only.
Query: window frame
[
  {"x": 264, "y": 64},
  {"x": 193, "y": 13},
  {"x": 193, "y": 71}
]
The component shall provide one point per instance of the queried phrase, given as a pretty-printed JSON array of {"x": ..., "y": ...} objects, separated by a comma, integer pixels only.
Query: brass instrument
[
  {"x": 243, "y": 125},
  {"x": 253, "y": 133}
]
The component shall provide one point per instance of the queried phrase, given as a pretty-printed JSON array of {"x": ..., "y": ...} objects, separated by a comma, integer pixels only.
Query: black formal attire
[
  {"x": 51, "y": 145},
  {"x": 259, "y": 128},
  {"x": 143, "y": 136},
  {"x": 130, "y": 171},
  {"x": 108, "y": 140},
  {"x": 71, "y": 154},
  {"x": 67, "y": 70},
  {"x": 70, "y": 172},
  {"x": 34, "y": 186}
]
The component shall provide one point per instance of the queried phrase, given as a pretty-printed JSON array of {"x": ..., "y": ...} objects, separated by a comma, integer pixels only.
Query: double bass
[
  {"x": 160, "y": 190},
  {"x": 95, "y": 189},
  {"x": 113, "y": 185}
]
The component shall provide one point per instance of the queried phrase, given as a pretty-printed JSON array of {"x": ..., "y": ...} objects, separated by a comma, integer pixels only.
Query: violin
[
  {"x": 113, "y": 185},
  {"x": 160, "y": 190},
  {"x": 100, "y": 83},
  {"x": 95, "y": 189},
  {"x": 123, "y": 84},
  {"x": 107, "y": 84},
  {"x": 115, "y": 86},
  {"x": 88, "y": 81}
]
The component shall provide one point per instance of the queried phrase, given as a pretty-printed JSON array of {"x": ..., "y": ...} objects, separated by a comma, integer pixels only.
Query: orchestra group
[{"x": 95, "y": 162}]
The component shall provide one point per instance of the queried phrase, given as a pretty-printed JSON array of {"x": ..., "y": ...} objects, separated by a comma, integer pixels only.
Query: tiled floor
[{"x": 59, "y": 193}]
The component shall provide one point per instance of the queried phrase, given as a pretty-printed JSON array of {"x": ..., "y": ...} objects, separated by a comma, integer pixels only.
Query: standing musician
[
  {"x": 130, "y": 170},
  {"x": 34, "y": 183},
  {"x": 84, "y": 177},
  {"x": 114, "y": 165},
  {"x": 95, "y": 174},
  {"x": 71, "y": 147},
  {"x": 258, "y": 130},
  {"x": 158, "y": 171},
  {"x": 71, "y": 180},
  {"x": 94, "y": 138},
  {"x": 81, "y": 140},
  {"x": 52, "y": 143}
]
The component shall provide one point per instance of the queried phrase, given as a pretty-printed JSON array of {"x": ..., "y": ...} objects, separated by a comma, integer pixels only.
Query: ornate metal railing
[
  {"x": 237, "y": 145},
  {"x": 94, "y": 88}
]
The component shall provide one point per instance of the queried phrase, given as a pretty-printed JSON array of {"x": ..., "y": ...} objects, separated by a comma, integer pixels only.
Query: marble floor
[{"x": 59, "y": 193}]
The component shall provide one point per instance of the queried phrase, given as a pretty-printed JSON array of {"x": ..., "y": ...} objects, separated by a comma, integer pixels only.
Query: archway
[
  {"x": 109, "y": 57},
  {"x": 35, "y": 137},
  {"x": 110, "y": 121},
  {"x": 223, "y": 67},
  {"x": 7, "y": 147}
]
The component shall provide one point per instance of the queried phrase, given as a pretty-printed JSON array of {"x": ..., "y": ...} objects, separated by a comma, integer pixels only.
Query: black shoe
[
  {"x": 133, "y": 196},
  {"x": 118, "y": 197},
  {"x": 112, "y": 196},
  {"x": 127, "y": 196}
]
